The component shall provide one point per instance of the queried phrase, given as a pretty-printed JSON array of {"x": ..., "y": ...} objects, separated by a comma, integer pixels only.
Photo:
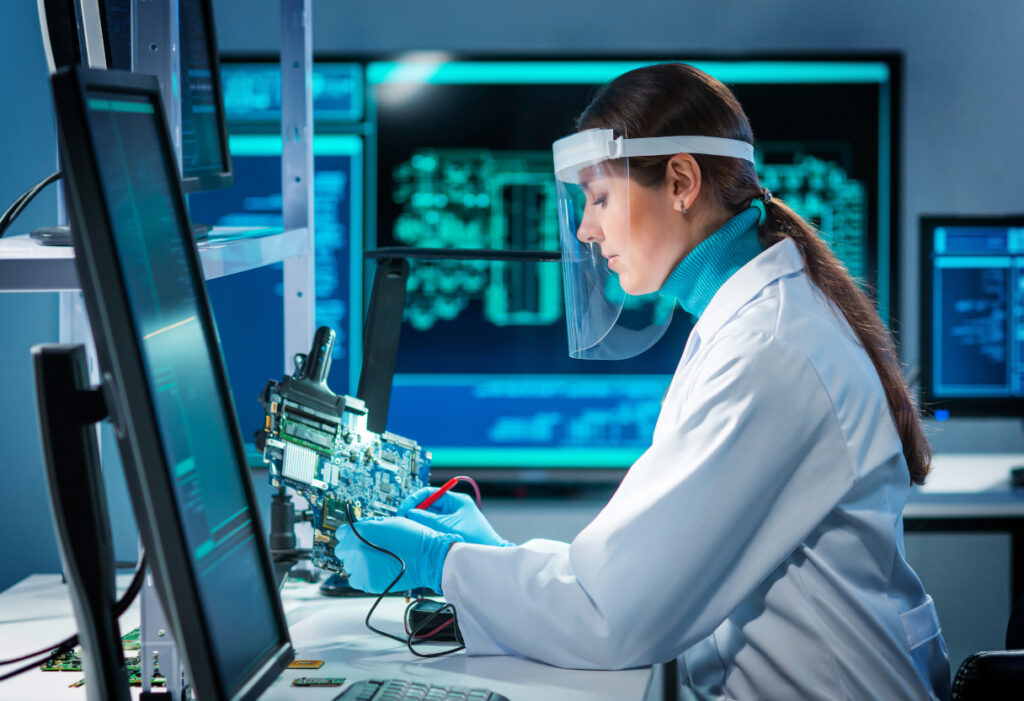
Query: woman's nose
[{"x": 589, "y": 231}]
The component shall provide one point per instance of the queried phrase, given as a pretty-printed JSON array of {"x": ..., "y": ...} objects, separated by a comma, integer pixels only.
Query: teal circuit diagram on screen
[{"x": 481, "y": 198}]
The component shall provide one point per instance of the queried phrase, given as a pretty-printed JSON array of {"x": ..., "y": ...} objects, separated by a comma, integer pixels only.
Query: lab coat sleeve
[{"x": 743, "y": 467}]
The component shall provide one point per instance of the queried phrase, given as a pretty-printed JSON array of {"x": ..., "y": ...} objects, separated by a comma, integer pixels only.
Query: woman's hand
[
  {"x": 452, "y": 513},
  {"x": 422, "y": 549}
]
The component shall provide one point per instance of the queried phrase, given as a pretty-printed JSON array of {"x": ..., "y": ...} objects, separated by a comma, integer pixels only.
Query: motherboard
[{"x": 317, "y": 443}]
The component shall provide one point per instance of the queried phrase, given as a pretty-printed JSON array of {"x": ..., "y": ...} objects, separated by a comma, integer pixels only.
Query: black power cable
[
  {"x": 23, "y": 200},
  {"x": 54, "y": 651},
  {"x": 412, "y": 636}
]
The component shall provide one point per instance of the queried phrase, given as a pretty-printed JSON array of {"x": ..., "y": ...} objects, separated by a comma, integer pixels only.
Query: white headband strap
[
  {"x": 593, "y": 146},
  {"x": 668, "y": 145}
]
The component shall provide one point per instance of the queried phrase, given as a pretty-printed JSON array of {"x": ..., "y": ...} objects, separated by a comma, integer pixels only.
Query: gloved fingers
[
  {"x": 414, "y": 499},
  {"x": 449, "y": 503},
  {"x": 429, "y": 519}
]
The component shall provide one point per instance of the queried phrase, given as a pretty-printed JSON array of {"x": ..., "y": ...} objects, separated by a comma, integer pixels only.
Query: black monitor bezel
[
  {"x": 956, "y": 406},
  {"x": 146, "y": 471},
  {"x": 225, "y": 178}
]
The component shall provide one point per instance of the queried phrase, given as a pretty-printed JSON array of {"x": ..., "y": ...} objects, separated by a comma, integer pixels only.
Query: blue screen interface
[
  {"x": 178, "y": 355},
  {"x": 252, "y": 92},
  {"x": 249, "y": 306},
  {"x": 977, "y": 336}
]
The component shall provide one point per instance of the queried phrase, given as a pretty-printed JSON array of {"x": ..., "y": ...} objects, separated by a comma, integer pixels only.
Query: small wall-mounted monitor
[{"x": 972, "y": 315}]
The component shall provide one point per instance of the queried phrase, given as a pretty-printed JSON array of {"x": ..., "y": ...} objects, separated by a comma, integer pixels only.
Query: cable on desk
[
  {"x": 18, "y": 206},
  {"x": 380, "y": 597},
  {"x": 70, "y": 642}
]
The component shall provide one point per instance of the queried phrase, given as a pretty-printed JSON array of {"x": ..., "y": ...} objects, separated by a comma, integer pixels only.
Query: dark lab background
[{"x": 960, "y": 149}]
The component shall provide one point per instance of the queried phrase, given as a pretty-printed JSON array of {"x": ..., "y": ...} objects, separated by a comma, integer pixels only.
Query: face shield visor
[{"x": 599, "y": 261}]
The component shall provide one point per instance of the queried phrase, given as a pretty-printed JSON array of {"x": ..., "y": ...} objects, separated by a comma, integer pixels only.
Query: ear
[{"x": 683, "y": 179}]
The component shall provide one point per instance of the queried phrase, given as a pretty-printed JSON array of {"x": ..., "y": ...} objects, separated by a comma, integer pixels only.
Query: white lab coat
[{"x": 759, "y": 538}]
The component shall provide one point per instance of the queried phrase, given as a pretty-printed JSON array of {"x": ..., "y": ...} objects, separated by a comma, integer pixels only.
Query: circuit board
[
  {"x": 317, "y": 443},
  {"x": 71, "y": 661}
]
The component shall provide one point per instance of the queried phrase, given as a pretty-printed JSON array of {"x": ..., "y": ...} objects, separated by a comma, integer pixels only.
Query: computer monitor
[
  {"x": 168, "y": 391},
  {"x": 972, "y": 316},
  {"x": 461, "y": 152},
  {"x": 73, "y": 28},
  {"x": 252, "y": 93},
  {"x": 205, "y": 158},
  {"x": 86, "y": 32},
  {"x": 116, "y": 19}
]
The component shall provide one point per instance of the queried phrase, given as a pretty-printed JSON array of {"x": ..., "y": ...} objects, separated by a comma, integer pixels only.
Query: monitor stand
[
  {"x": 68, "y": 409},
  {"x": 155, "y": 638}
]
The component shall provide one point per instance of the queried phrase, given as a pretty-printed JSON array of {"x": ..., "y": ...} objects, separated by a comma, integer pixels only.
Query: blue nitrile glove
[
  {"x": 452, "y": 513},
  {"x": 423, "y": 550}
]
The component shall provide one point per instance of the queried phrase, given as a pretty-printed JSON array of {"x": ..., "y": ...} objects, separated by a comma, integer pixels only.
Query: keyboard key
[{"x": 405, "y": 690}]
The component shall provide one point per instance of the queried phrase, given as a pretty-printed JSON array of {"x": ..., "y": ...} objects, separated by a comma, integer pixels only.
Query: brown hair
[{"x": 672, "y": 98}]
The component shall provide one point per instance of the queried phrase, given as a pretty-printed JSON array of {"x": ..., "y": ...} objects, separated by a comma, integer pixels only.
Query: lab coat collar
[{"x": 777, "y": 261}]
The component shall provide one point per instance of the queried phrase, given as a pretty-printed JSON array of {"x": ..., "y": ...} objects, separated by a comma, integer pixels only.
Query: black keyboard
[{"x": 405, "y": 690}]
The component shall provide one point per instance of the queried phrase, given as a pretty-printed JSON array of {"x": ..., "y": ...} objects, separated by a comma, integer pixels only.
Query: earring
[{"x": 682, "y": 207}]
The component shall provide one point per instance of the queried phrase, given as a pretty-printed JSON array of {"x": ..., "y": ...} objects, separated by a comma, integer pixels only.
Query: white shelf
[
  {"x": 229, "y": 250},
  {"x": 26, "y": 266}
]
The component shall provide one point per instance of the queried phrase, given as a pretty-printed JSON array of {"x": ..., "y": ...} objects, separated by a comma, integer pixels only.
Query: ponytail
[{"x": 832, "y": 278}]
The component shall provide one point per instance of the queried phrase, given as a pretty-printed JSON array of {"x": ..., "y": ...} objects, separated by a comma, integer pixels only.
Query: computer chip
[{"x": 306, "y": 664}]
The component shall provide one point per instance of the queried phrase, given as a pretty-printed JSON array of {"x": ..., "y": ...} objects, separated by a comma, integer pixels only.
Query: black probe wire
[
  {"x": 70, "y": 642},
  {"x": 380, "y": 597},
  {"x": 23, "y": 200}
]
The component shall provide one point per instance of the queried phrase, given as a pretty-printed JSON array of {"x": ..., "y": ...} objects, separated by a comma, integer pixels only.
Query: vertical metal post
[
  {"x": 155, "y": 37},
  {"x": 155, "y": 51},
  {"x": 91, "y": 24},
  {"x": 297, "y": 172}
]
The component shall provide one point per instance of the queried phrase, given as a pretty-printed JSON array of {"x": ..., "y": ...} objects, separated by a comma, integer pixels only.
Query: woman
[{"x": 760, "y": 538}]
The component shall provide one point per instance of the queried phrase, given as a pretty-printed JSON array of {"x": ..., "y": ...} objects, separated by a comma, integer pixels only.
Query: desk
[
  {"x": 971, "y": 492},
  {"x": 37, "y": 612}
]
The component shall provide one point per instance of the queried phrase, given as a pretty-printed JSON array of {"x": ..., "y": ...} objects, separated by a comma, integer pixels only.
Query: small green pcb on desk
[
  {"x": 70, "y": 661},
  {"x": 318, "y": 681},
  {"x": 130, "y": 640}
]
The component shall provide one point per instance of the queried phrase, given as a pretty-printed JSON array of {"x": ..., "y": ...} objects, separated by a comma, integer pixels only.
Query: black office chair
[{"x": 997, "y": 674}]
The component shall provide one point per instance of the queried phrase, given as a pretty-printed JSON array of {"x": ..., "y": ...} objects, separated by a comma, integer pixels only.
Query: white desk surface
[
  {"x": 968, "y": 485},
  {"x": 37, "y": 612}
]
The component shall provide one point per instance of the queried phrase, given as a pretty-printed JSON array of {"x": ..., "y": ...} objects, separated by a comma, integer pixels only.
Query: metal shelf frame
[{"x": 26, "y": 266}]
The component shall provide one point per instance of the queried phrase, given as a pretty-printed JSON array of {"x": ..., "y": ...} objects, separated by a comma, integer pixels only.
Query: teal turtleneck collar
[{"x": 706, "y": 268}]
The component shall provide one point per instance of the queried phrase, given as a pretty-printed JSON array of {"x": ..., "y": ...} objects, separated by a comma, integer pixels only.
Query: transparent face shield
[
  {"x": 600, "y": 263},
  {"x": 604, "y": 322}
]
